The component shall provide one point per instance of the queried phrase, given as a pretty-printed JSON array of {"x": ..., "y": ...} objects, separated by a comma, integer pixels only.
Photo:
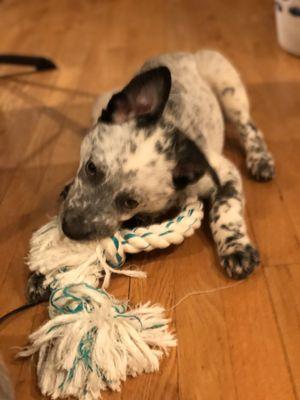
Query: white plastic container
[{"x": 288, "y": 25}]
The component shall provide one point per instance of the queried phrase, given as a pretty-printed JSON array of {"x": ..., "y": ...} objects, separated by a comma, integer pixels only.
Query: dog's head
[{"x": 131, "y": 162}]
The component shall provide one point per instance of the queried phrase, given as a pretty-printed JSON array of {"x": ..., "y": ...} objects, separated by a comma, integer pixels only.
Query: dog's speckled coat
[{"x": 160, "y": 140}]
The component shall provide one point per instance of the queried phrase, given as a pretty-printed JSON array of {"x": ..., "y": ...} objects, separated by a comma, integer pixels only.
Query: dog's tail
[{"x": 6, "y": 391}]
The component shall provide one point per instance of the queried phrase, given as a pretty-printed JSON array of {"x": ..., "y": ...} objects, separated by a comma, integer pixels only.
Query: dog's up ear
[
  {"x": 191, "y": 164},
  {"x": 144, "y": 98}
]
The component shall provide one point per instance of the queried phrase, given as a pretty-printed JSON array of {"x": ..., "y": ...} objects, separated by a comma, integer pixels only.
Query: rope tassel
[{"x": 93, "y": 341}]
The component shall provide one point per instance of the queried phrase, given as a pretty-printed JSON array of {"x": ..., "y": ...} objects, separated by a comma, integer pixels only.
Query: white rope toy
[{"x": 92, "y": 341}]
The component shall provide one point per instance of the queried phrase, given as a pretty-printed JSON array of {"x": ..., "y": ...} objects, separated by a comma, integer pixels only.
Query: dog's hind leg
[{"x": 231, "y": 93}]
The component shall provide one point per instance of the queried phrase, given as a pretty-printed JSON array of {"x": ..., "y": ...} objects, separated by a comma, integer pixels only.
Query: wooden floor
[{"x": 242, "y": 343}]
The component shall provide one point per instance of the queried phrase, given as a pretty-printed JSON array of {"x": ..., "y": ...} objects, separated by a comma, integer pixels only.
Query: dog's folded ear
[
  {"x": 191, "y": 164},
  {"x": 144, "y": 98}
]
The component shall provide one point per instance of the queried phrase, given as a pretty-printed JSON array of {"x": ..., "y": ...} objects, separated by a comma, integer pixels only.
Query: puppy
[{"x": 160, "y": 140}]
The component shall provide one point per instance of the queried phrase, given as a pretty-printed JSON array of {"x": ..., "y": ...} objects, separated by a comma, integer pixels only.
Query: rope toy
[{"x": 93, "y": 341}]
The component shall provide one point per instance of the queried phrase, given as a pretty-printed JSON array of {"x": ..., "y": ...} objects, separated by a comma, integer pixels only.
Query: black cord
[
  {"x": 19, "y": 309},
  {"x": 40, "y": 63}
]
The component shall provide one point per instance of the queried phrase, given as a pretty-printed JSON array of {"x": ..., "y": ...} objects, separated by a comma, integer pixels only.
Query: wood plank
[
  {"x": 284, "y": 288},
  {"x": 204, "y": 364},
  {"x": 241, "y": 343},
  {"x": 165, "y": 383},
  {"x": 259, "y": 362},
  {"x": 220, "y": 329}
]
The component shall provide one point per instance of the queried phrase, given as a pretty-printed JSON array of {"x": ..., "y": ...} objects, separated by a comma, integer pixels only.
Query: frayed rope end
[{"x": 93, "y": 342}]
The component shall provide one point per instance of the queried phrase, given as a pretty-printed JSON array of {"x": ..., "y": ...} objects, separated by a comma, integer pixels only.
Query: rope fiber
[{"x": 93, "y": 341}]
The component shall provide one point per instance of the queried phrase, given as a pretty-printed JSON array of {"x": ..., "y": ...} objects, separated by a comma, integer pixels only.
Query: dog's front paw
[
  {"x": 241, "y": 261},
  {"x": 36, "y": 292},
  {"x": 261, "y": 168}
]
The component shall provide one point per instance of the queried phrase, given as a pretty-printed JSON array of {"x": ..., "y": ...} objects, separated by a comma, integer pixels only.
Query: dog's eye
[
  {"x": 91, "y": 168},
  {"x": 126, "y": 202},
  {"x": 130, "y": 203}
]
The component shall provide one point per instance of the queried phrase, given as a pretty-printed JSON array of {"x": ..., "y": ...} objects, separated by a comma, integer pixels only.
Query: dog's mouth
[
  {"x": 146, "y": 219},
  {"x": 77, "y": 231},
  {"x": 80, "y": 232}
]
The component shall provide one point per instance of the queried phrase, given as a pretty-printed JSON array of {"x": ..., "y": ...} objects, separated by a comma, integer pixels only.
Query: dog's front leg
[
  {"x": 35, "y": 291},
  {"x": 237, "y": 254}
]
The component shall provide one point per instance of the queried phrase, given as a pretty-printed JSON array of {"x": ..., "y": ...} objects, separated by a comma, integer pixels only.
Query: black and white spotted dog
[{"x": 159, "y": 140}]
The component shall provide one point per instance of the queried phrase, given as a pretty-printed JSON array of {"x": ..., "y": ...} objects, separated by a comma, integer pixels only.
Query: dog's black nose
[{"x": 74, "y": 226}]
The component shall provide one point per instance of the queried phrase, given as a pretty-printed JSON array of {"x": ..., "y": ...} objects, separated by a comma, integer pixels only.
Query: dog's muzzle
[{"x": 75, "y": 227}]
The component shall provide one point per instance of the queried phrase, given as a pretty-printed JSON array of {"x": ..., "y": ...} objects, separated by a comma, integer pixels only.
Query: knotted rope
[
  {"x": 93, "y": 341},
  {"x": 64, "y": 261}
]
